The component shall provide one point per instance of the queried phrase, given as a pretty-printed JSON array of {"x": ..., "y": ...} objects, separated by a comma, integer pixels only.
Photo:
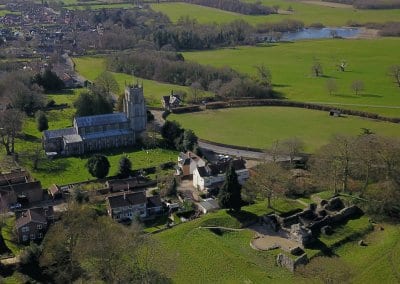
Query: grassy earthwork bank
[
  {"x": 290, "y": 65},
  {"x": 72, "y": 169},
  {"x": 306, "y": 12},
  {"x": 259, "y": 127},
  {"x": 92, "y": 67},
  {"x": 208, "y": 256}
]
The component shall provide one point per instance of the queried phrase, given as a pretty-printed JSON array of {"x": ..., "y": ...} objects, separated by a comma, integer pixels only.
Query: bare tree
[
  {"x": 366, "y": 157},
  {"x": 107, "y": 83},
  {"x": 269, "y": 180},
  {"x": 316, "y": 68},
  {"x": 331, "y": 86},
  {"x": 332, "y": 163},
  {"x": 292, "y": 147},
  {"x": 264, "y": 75},
  {"x": 196, "y": 90},
  {"x": 357, "y": 86},
  {"x": 10, "y": 126},
  {"x": 394, "y": 71}
]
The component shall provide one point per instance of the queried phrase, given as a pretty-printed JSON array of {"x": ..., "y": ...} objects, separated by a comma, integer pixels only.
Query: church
[{"x": 98, "y": 132}]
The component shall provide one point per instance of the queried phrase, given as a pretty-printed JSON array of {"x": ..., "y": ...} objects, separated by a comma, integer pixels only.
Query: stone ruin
[{"x": 304, "y": 227}]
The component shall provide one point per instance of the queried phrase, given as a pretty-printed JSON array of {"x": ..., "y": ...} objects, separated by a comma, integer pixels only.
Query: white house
[
  {"x": 188, "y": 162},
  {"x": 213, "y": 175}
]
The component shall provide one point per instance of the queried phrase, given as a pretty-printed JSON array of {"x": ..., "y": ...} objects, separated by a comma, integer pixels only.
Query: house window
[
  {"x": 32, "y": 236},
  {"x": 24, "y": 238},
  {"x": 25, "y": 229},
  {"x": 40, "y": 235},
  {"x": 39, "y": 226},
  {"x": 142, "y": 212}
]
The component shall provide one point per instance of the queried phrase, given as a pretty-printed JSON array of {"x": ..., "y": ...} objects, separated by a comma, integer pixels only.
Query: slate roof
[
  {"x": 21, "y": 187},
  {"x": 154, "y": 201},
  {"x": 209, "y": 204},
  {"x": 221, "y": 168},
  {"x": 13, "y": 178},
  {"x": 127, "y": 199},
  {"x": 49, "y": 134},
  {"x": 29, "y": 216},
  {"x": 109, "y": 133},
  {"x": 102, "y": 119}
]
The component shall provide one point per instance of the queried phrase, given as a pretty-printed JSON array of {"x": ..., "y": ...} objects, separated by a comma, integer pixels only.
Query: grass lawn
[
  {"x": 290, "y": 65},
  {"x": 308, "y": 13},
  {"x": 379, "y": 262},
  {"x": 102, "y": 6},
  {"x": 8, "y": 235},
  {"x": 92, "y": 67},
  {"x": 259, "y": 127},
  {"x": 205, "y": 257}
]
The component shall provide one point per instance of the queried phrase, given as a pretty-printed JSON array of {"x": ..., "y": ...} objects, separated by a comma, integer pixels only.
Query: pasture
[
  {"x": 306, "y": 12},
  {"x": 290, "y": 65},
  {"x": 259, "y": 127},
  {"x": 92, "y": 67}
]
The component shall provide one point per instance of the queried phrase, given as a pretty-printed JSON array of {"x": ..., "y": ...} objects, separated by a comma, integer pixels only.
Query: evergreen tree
[
  {"x": 189, "y": 140},
  {"x": 98, "y": 166},
  {"x": 230, "y": 193},
  {"x": 41, "y": 121},
  {"x": 125, "y": 167}
]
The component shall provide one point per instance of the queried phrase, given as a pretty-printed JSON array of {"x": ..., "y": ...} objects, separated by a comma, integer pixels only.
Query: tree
[
  {"x": 394, "y": 71},
  {"x": 196, "y": 91},
  {"x": 229, "y": 195},
  {"x": 170, "y": 131},
  {"x": 41, "y": 121},
  {"x": 357, "y": 86},
  {"x": 98, "y": 166},
  {"x": 291, "y": 147},
  {"x": 10, "y": 125},
  {"x": 93, "y": 103},
  {"x": 332, "y": 162},
  {"x": 366, "y": 156},
  {"x": 107, "y": 83},
  {"x": 125, "y": 167},
  {"x": 49, "y": 81},
  {"x": 264, "y": 75},
  {"x": 269, "y": 180},
  {"x": 331, "y": 86},
  {"x": 316, "y": 68},
  {"x": 189, "y": 140}
]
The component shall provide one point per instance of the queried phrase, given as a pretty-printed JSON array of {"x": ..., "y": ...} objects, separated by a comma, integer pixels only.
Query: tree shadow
[
  {"x": 28, "y": 137},
  {"x": 281, "y": 85},
  {"x": 328, "y": 76},
  {"x": 371, "y": 96},
  {"x": 61, "y": 92},
  {"x": 346, "y": 96}
]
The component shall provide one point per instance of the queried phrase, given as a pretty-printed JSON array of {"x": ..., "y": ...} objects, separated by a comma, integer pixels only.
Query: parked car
[{"x": 15, "y": 206}]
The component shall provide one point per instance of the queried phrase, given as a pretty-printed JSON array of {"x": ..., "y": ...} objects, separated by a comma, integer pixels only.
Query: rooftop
[
  {"x": 102, "y": 119},
  {"x": 127, "y": 199},
  {"x": 59, "y": 132},
  {"x": 30, "y": 216}
]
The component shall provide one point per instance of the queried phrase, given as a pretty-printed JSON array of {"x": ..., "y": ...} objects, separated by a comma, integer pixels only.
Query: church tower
[{"x": 135, "y": 108}]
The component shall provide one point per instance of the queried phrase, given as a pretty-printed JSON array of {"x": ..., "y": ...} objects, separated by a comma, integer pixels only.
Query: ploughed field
[
  {"x": 305, "y": 12},
  {"x": 290, "y": 65},
  {"x": 259, "y": 127}
]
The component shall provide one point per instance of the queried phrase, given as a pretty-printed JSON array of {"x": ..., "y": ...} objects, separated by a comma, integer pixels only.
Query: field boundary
[{"x": 284, "y": 103}]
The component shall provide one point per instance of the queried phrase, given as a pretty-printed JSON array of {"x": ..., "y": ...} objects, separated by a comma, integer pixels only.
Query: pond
[{"x": 316, "y": 33}]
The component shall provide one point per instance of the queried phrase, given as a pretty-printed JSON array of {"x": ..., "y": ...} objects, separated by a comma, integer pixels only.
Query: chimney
[{"x": 124, "y": 195}]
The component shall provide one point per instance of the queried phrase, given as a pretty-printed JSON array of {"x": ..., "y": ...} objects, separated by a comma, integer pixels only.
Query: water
[{"x": 314, "y": 33}]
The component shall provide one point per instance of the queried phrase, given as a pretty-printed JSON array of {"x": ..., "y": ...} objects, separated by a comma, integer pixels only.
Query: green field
[
  {"x": 91, "y": 67},
  {"x": 202, "y": 256},
  {"x": 260, "y": 126},
  {"x": 308, "y": 13},
  {"x": 290, "y": 65}
]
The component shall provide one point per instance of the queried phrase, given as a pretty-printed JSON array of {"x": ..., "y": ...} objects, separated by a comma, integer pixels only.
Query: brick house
[
  {"x": 31, "y": 224},
  {"x": 127, "y": 205}
]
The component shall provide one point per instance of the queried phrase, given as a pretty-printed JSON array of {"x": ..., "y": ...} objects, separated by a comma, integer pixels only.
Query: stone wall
[{"x": 289, "y": 262}]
